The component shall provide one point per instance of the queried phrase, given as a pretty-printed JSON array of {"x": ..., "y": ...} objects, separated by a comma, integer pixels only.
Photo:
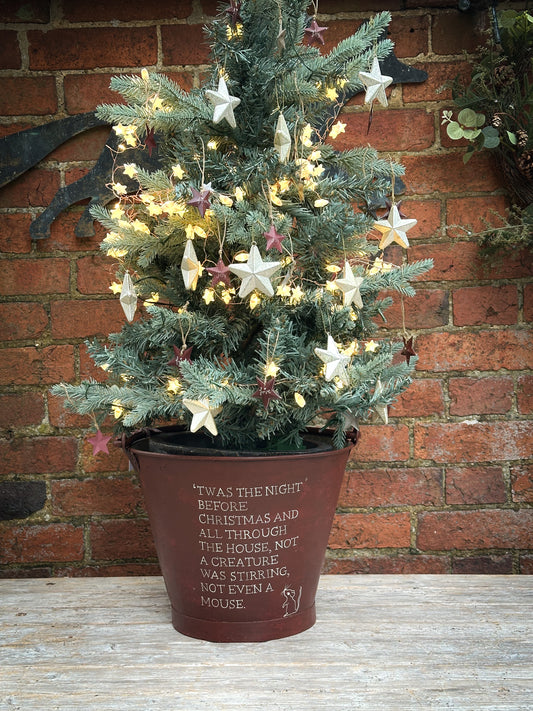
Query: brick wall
[{"x": 445, "y": 487}]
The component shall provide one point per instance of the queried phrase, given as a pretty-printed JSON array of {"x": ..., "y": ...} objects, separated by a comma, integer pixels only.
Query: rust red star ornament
[
  {"x": 408, "y": 351},
  {"x": 266, "y": 392},
  {"x": 180, "y": 354},
  {"x": 99, "y": 442}
]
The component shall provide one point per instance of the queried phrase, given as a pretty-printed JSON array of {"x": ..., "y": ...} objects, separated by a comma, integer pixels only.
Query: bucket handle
[{"x": 125, "y": 443}]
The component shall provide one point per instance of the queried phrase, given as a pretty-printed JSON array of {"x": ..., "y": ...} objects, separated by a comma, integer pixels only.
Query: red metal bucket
[{"x": 240, "y": 539}]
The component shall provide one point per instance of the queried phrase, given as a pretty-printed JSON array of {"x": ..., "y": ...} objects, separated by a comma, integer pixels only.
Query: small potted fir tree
[{"x": 251, "y": 295}]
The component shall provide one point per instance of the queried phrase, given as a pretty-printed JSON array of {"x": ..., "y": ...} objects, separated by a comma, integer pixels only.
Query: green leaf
[
  {"x": 467, "y": 117},
  {"x": 454, "y": 131},
  {"x": 491, "y": 138},
  {"x": 467, "y": 156},
  {"x": 511, "y": 137}
]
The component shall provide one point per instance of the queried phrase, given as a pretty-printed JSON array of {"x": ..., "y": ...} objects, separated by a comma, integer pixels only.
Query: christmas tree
[{"x": 246, "y": 258}]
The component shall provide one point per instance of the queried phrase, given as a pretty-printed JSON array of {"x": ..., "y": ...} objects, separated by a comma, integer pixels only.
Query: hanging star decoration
[
  {"x": 381, "y": 409},
  {"x": 128, "y": 297},
  {"x": 150, "y": 142},
  {"x": 224, "y": 103},
  {"x": 274, "y": 239},
  {"x": 335, "y": 362},
  {"x": 349, "y": 285},
  {"x": 220, "y": 273},
  {"x": 99, "y": 442},
  {"x": 375, "y": 83},
  {"x": 393, "y": 228},
  {"x": 282, "y": 139},
  {"x": 180, "y": 354},
  {"x": 200, "y": 198},
  {"x": 280, "y": 39},
  {"x": 314, "y": 32},
  {"x": 255, "y": 273},
  {"x": 190, "y": 267},
  {"x": 234, "y": 12},
  {"x": 408, "y": 350},
  {"x": 202, "y": 415},
  {"x": 265, "y": 391}
]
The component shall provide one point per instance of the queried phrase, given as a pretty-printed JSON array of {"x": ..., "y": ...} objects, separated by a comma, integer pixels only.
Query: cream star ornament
[
  {"x": 223, "y": 102},
  {"x": 382, "y": 409},
  {"x": 128, "y": 297},
  {"x": 375, "y": 83},
  {"x": 255, "y": 273},
  {"x": 335, "y": 362},
  {"x": 349, "y": 285},
  {"x": 191, "y": 268},
  {"x": 393, "y": 229},
  {"x": 282, "y": 139},
  {"x": 202, "y": 415}
]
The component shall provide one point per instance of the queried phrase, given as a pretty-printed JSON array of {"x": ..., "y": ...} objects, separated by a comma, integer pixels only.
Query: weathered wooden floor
[{"x": 381, "y": 642}]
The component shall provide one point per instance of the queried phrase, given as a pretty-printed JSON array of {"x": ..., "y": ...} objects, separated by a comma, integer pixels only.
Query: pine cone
[
  {"x": 525, "y": 164},
  {"x": 496, "y": 121},
  {"x": 521, "y": 138},
  {"x": 504, "y": 74}
]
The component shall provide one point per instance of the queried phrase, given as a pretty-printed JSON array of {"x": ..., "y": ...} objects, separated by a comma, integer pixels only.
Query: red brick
[
  {"x": 116, "y": 571},
  {"x": 528, "y": 302},
  {"x": 121, "y": 538},
  {"x": 482, "y": 396},
  {"x": 35, "y": 276},
  {"x": 424, "y": 397},
  {"x": 28, "y": 455},
  {"x": 86, "y": 146},
  {"x": 395, "y": 565},
  {"x": 92, "y": 47},
  {"x": 439, "y": 73},
  {"x": 336, "y": 32},
  {"x": 526, "y": 564},
  {"x": 34, "y": 96},
  {"x": 410, "y": 35},
  {"x": 24, "y": 11},
  {"x": 36, "y": 188},
  {"x": 22, "y": 320},
  {"x": 21, "y": 409},
  {"x": 116, "y": 460},
  {"x": 455, "y": 261},
  {"x": 63, "y": 237},
  {"x": 125, "y": 10},
  {"x": 446, "y": 173},
  {"x": 84, "y": 92},
  {"x": 483, "y": 350},
  {"x": 332, "y": 7},
  {"x": 468, "y": 215},
  {"x": 370, "y": 530},
  {"x": 184, "y": 44},
  {"x": 95, "y": 497},
  {"x": 15, "y": 232},
  {"x": 382, "y": 443},
  {"x": 59, "y": 416},
  {"x": 457, "y": 32},
  {"x": 36, "y": 366},
  {"x": 522, "y": 482},
  {"x": 478, "y": 305},
  {"x": 391, "y": 130},
  {"x": 524, "y": 394},
  {"x": 391, "y": 487},
  {"x": 483, "y": 565},
  {"x": 427, "y": 215},
  {"x": 463, "y": 530},
  {"x": 95, "y": 274},
  {"x": 83, "y": 318},
  {"x": 429, "y": 308},
  {"x": 87, "y": 367},
  {"x": 473, "y": 441},
  {"x": 9, "y": 50},
  {"x": 41, "y": 544},
  {"x": 475, "y": 485}
]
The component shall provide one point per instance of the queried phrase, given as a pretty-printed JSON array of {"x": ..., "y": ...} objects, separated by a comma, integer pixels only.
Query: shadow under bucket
[{"x": 241, "y": 538}]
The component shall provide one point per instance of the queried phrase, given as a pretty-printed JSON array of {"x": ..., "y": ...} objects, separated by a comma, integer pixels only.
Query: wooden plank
[{"x": 381, "y": 642}]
